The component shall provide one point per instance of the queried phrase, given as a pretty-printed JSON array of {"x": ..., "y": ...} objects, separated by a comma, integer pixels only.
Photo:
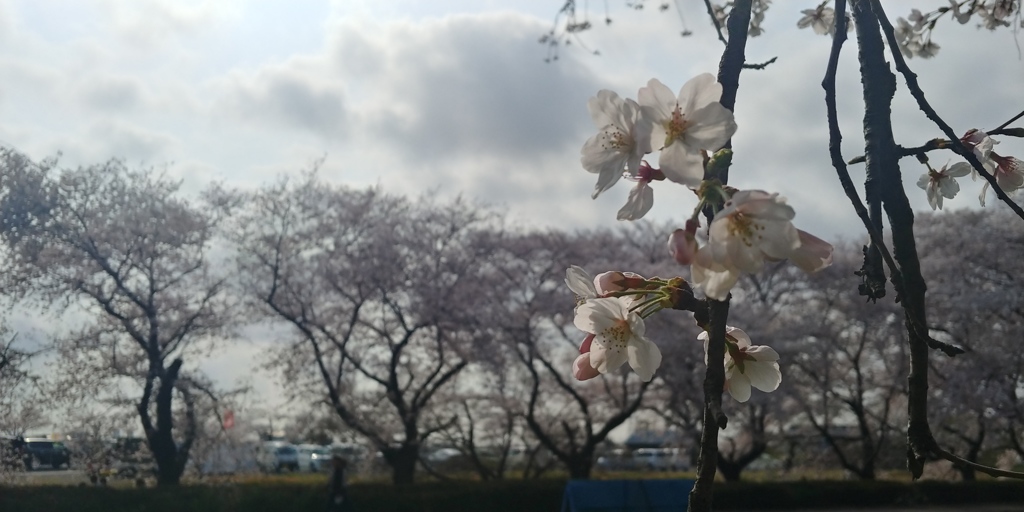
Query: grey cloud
[
  {"x": 290, "y": 97},
  {"x": 465, "y": 85},
  {"x": 121, "y": 140},
  {"x": 112, "y": 93}
]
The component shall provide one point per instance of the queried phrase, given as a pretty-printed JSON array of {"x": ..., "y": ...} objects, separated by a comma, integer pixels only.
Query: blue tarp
[{"x": 626, "y": 495}]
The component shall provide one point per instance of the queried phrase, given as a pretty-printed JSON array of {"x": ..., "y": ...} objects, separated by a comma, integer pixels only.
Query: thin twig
[
  {"x": 922, "y": 103},
  {"x": 761, "y": 65},
  {"x": 714, "y": 20},
  {"x": 1004, "y": 125},
  {"x": 996, "y": 472}
]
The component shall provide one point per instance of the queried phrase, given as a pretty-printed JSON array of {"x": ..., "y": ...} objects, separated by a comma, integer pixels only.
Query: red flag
[{"x": 229, "y": 419}]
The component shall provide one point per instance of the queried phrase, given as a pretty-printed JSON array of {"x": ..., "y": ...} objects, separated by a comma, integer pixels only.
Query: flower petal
[
  {"x": 813, "y": 254},
  {"x": 656, "y": 103},
  {"x": 698, "y": 92},
  {"x": 738, "y": 386},
  {"x": 682, "y": 164},
  {"x": 711, "y": 127},
  {"x": 606, "y": 359},
  {"x": 741, "y": 338},
  {"x": 763, "y": 376},
  {"x": 644, "y": 357},
  {"x": 948, "y": 187},
  {"x": 640, "y": 201},
  {"x": 579, "y": 281},
  {"x": 959, "y": 169},
  {"x": 598, "y": 314},
  {"x": 923, "y": 181},
  {"x": 715, "y": 284}
]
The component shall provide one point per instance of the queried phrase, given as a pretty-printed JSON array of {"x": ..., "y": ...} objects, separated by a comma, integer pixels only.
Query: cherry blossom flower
[
  {"x": 981, "y": 145},
  {"x": 907, "y": 38},
  {"x": 686, "y": 123},
  {"x": 962, "y": 17},
  {"x": 1008, "y": 172},
  {"x": 752, "y": 225},
  {"x": 581, "y": 367},
  {"x": 618, "y": 336},
  {"x": 622, "y": 140},
  {"x": 942, "y": 183},
  {"x": 821, "y": 20},
  {"x": 918, "y": 18},
  {"x": 746, "y": 365}
]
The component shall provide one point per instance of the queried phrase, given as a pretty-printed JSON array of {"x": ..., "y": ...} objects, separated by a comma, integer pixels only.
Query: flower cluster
[
  {"x": 680, "y": 126},
  {"x": 914, "y": 33},
  {"x": 745, "y": 228},
  {"x": 610, "y": 309},
  {"x": 1007, "y": 170}
]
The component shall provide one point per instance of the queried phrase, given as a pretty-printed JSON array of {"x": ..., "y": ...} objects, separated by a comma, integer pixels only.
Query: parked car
[
  {"x": 40, "y": 451},
  {"x": 314, "y": 458},
  {"x": 660, "y": 459},
  {"x": 278, "y": 456}
]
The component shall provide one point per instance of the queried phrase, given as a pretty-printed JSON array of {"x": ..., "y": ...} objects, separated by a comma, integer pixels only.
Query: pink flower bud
[
  {"x": 609, "y": 282},
  {"x": 581, "y": 368},
  {"x": 585, "y": 346},
  {"x": 682, "y": 243}
]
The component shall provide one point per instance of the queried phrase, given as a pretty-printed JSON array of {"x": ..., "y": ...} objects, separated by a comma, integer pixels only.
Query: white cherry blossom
[
  {"x": 618, "y": 337},
  {"x": 622, "y": 140},
  {"x": 942, "y": 183},
  {"x": 754, "y": 226},
  {"x": 747, "y": 365},
  {"x": 1009, "y": 174},
  {"x": 961, "y": 17},
  {"x": 820, "y": 19},
  {"x": 686, "y": 123}
]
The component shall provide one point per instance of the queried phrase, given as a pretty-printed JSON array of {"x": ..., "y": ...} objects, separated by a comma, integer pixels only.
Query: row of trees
[{"x": 415, "y": 321}]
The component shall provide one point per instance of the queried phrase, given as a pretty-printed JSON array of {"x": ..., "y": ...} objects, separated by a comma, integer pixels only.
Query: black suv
[{"x": 39, "y": 451}]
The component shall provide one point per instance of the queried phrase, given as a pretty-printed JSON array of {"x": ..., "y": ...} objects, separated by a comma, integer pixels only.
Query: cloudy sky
[{"x": 451, "y": 96}]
